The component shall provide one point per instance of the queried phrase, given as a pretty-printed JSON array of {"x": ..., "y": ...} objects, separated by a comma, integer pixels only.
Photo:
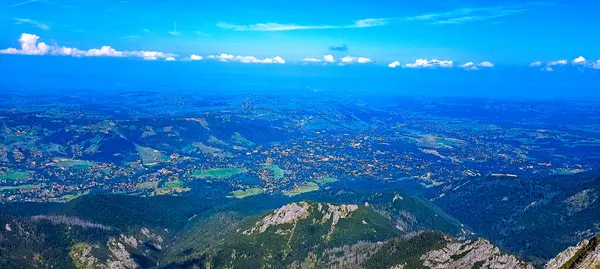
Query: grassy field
[
  {"x": 170, "y": 187},
  {"x": 326, "y": 180},
  {"x": 248, "y": 192},
  {"x": 72, "y": 163},
  {"x": 164, "y": 191},
  {"x": 70, "y": 197},
  {"x": 237, "y": 138},
  {"x": 149, "y": 156},
  {"x": 277, "y": 171},
  {"x": 204, "y": 148},
  {"x": 15, "y": 175},
  {"x": 173, "y": 184},
  {"x": 147, "y": 185},
  {"x": 310, "y": 186},
  {"x": 218, "y": 173},
  {"x": 22, "y": 187}
]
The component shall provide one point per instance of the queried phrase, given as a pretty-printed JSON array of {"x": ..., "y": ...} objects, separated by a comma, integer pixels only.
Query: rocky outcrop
[
  {"x": 289, "y": 213},
  {"x": 584, "y": 255},
  {"x": 120, "y": 258},
  {"x": 82, "y": 257},
  {"x": 120, "y": 251},
  {"x": 581, "y": 201},
  {"x": 293, "y": 212},
  {"x": 479, "y": 253}
]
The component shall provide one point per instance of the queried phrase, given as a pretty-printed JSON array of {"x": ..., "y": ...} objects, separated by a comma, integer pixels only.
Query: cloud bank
[
  {"x": 434, "y": 63},
  {"x": 246, "y": 59},
  {"x": 473, "y": 66},
  {"x": 30, "y": 45},
  {"x": 421, "y": 63},
  {"x": 580, "y": 62},
  {"x": 351, "y": 60},
  {"x": 344, "y": 60}
]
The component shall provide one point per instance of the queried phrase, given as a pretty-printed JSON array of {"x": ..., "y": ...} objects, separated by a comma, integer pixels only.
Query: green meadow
[
  {"x": 218, "y": 173},
  {"x": 310, "y": 186},
  {"x": 247, "y": 192}
]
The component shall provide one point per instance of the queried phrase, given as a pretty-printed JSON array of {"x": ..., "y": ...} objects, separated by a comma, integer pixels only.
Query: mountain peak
[
  {"x": 584, "y": 255},
  {"x": 291, "y": 213},
  {"x": 464, "y": 254}
]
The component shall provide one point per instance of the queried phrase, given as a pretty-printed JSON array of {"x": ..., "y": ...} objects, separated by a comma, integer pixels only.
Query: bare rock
[{"x": 466, "y": 254}]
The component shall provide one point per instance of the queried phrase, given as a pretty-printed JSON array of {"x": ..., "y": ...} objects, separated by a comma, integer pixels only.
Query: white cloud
[
  {"x": 104, "y": 51},
  {"x": 559, "y": 62},
  {"x": 274, "y": 60},
  {"x": 466, "y": 15},
  {"x": 456, "y": 16},
  {"x": 37, "y": 24},
  {"x": 23, "y": 3},
  {"x": 535, "y": 64},
  {"x": 419, "y": 63},
  {"x": 469, "y": 66},
  {"x": 325, "y": 59},
  {"x": 443, "y": 63},
  {"x": 348, "y": 59},
  {"x": 195, "y": 57},
  {"x": 174, "y": 32},
  {"x": 311, "y": 60},
  {"x": 422, "y": 63},
  {"x": 31, "y": 46},
  {"x": 223, "y": 57},
  {"x": 363, "y": 60},
  {"x": 578, "y": 60},
  {"x": 148, "y": 55},
  {"x": 131, "y": 37},
  {"x": 486, "y": 64},
  {"x": 394, "y": 64},
  {"x": 272, "y": 26},
  {"x": 247, "y": 59},
  {"x": 473, "y": 66},
  {"x": 170, "y": 59},
  {"x": 328, "y": 58},
  {"x": 360, "y": 60}
]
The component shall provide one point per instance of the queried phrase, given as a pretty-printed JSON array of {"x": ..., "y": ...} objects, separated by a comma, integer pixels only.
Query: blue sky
[{"x": 505, "y": 33}]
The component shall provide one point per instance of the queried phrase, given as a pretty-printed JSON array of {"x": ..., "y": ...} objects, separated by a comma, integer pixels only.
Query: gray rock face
[
  {"x": 120, "y": 258},
  {"x": 584, "y": 255},
  {"x": 289, "y": 213},
  {"x": 293, "y": 212},
  {"x": 120, "y": 249},
  {"x": 466, "y": 254},
  {"x": 581, "y": 200}
]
